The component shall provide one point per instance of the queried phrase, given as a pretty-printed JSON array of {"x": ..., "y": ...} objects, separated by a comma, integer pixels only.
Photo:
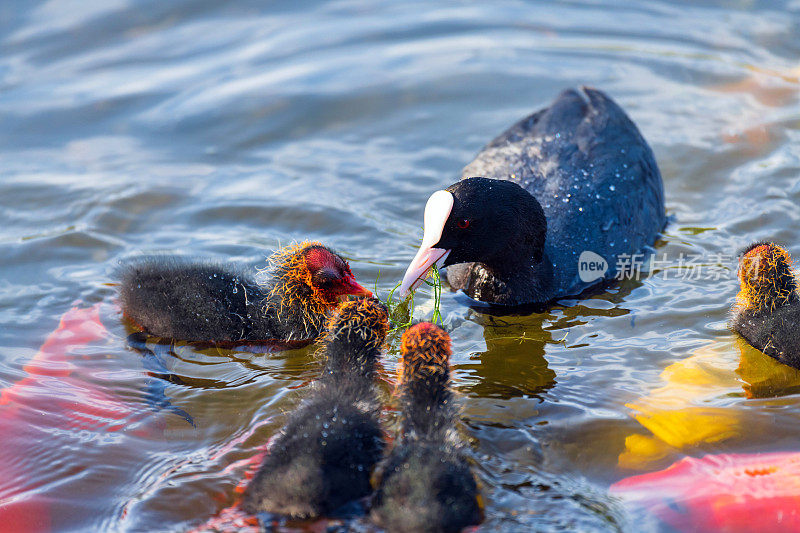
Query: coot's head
[
  {"x": 766, "y": 278},
  {"x": 363, "y": 322},
  {"x": 330, "y": 273},
  {"x": 425, "y": 350},
  {"x": 314, "y": 272},
  {"x": 494, "y": 222}
]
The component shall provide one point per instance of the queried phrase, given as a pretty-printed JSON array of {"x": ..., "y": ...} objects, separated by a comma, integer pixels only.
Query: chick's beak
[{"x": 351, "y": 286}]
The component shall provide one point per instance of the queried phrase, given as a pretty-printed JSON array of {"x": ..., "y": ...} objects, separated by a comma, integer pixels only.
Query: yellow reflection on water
[{"x": 689, "y": 409}]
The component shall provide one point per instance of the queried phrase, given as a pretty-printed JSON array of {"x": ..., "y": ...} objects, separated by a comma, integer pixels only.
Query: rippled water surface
[{"x": 222, "y": 129}]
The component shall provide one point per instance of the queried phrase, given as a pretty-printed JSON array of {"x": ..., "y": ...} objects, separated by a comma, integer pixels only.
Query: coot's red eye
[{"x": 463, "y": 223}]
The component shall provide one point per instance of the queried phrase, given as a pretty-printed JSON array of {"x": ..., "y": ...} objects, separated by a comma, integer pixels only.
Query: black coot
[
  {"x": 426, "y": 484},
  {"x": 575, "y": 182},
  {"x": 196, "y": 301},
  {"x": 324, "y": 456},
  {"x": 767, "y": 309}
]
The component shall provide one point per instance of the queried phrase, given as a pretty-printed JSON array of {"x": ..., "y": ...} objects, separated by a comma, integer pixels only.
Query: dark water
[{"x": 225, "y": 128}]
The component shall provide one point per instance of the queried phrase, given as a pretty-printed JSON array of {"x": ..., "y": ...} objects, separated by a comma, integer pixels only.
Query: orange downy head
[
  {"x": 766, "y": 278},
  {"x": 425, "y": 350},
  {"x": 367, "y": 318},
  {"x": 315, "y": 277}
]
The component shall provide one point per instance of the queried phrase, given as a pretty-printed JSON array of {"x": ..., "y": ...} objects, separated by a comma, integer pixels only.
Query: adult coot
[
  {"x": 208, "y": 302},
  {"x": 573, "y": 183},
  {"x": 767, "y": 309}
]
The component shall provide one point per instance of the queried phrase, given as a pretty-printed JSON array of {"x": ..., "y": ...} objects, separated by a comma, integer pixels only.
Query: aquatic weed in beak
[{"x": 401, "y": 312}]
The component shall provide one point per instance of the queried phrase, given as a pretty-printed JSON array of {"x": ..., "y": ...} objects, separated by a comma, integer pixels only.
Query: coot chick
[
  {"x": 425, "y": 484},
  {"x": 207, "y": 302},
  {"x": 572, "y": 178},
  {"x": 767, "y": 309},
  {"x": 324, "y": 456}
]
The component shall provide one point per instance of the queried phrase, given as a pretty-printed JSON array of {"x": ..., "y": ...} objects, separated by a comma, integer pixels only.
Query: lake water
[{"x": 222, "y": 129}]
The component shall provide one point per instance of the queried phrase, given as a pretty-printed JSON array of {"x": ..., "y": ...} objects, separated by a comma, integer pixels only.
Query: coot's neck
[
  {"x": 349, "y": 368},
  {"x": 767, "y": 304},
  {"x": 291, "y": 306},
  {"x": 346, "y": 356},
  {"x": 512, "y": 278},
  {"x": 427, "y": 410}
]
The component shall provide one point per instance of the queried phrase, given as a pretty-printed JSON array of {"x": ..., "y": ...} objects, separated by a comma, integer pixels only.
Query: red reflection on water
[
  {"x": 54, "y": 397},
  {"x": 726, "y": 492},
  {"x": 234, "y": 518}
]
